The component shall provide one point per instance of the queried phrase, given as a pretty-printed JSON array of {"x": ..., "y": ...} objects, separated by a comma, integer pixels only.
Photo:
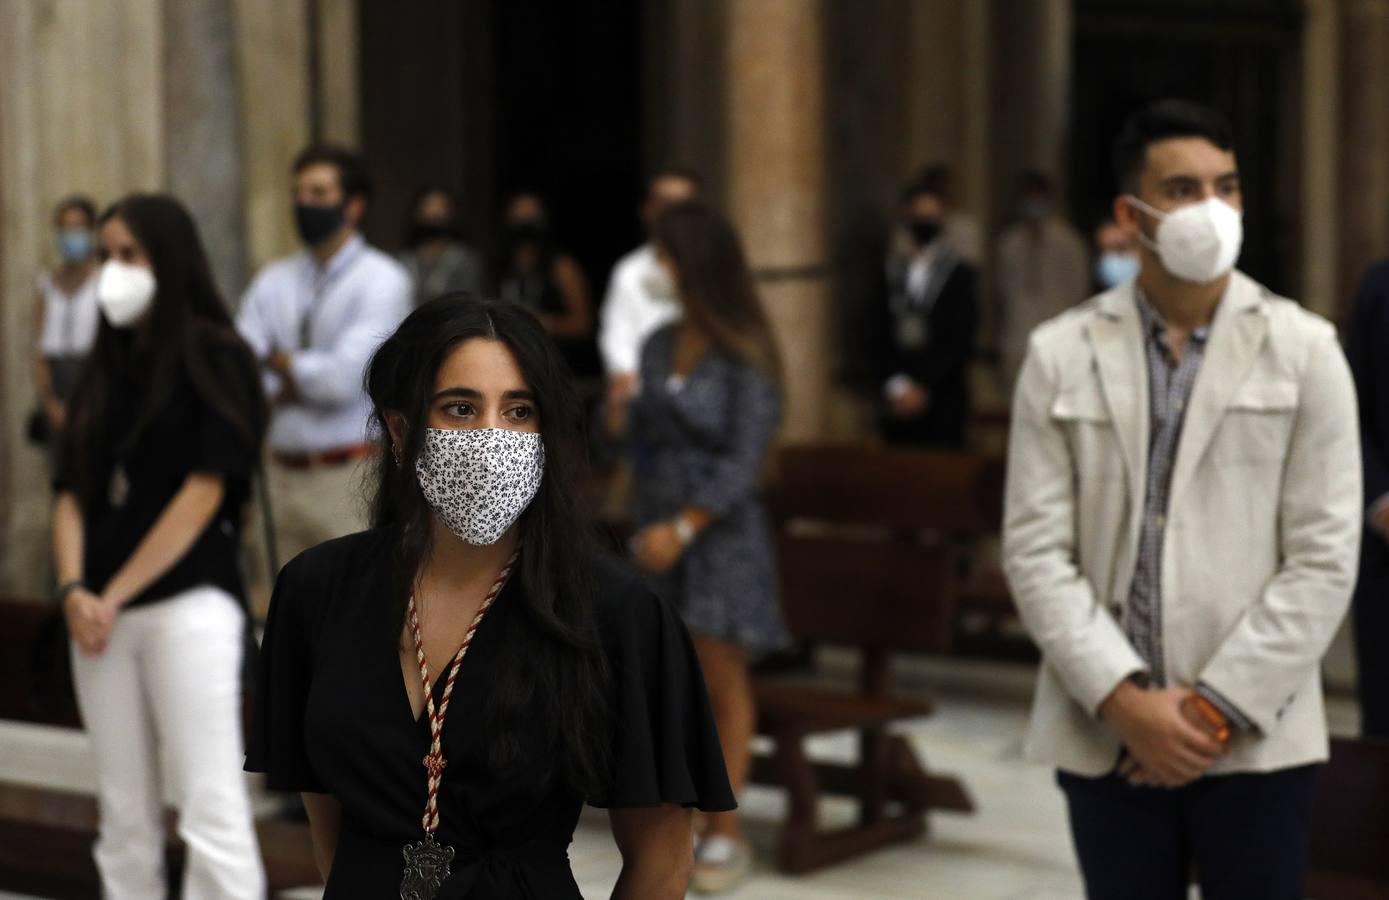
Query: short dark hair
[
  {"x": 938, "y": 179},
  {"x": 924, "y": 187},
  {"x": 80, "y": 202},
  {"x": 1035, "y": 181},
  {"x": 352, "y": 168},
  {"x": 677, "y": 170},
  {"x": 1161, "y": 121}
]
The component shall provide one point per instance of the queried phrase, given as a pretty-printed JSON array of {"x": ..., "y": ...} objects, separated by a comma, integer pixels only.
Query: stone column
[
  {"x": 272, "y": 45},
  {"x": 1364, "y": 55},
  {"x": 81, "y": 109},
  {"x": 202, "y": 131},
  {"x": 776, "y": 187},
  {"x": 338, "y": 71},
  {"x": 1320, "y": 289},
  {"x": 1031, "y": 84},
  {"x": 935, "y": 88},
  {"x": 685, "y": 64}
]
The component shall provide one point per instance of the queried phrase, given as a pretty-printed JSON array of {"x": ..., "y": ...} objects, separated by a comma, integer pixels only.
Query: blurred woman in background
[
  {"x": 548, "y": 281},
  {"x": 438, "y": 260},
  {"x": 708, "y": 407},
  {"x": 165, "y": 433},
  {"x": 67, "y": 319}
]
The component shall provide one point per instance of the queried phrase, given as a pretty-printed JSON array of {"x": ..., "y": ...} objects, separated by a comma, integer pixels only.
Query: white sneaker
[{"x": 721, "y": 864}]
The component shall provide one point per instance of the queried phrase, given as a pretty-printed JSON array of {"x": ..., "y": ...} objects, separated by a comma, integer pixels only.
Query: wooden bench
[
  {"x": 1347, "y": 858},
  {"x": 867, "y": 560}
]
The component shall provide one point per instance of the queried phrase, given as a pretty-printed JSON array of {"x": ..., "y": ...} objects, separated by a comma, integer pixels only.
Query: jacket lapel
[
  {"x": 1236, "y": 336},
  {"x": 1116, "y": 337}
]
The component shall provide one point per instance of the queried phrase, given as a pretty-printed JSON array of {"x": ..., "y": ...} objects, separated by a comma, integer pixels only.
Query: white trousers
[{"x": 165, "y": 697}]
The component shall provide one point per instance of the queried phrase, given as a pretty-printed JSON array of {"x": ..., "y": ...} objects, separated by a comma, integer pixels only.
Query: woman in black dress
[
  {"x": 155, "y": 472},
  {"x": 548, "y": 281},
  {"x": 557, "y": 677}
]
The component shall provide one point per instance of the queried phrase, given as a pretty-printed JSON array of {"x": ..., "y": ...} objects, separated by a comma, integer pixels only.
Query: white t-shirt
[
  {"x": 69, "y": 321},
  {"x": 640, "y": 300}
]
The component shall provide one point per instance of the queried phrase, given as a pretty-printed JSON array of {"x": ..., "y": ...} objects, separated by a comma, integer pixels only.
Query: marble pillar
[
  {"x": 338, "y": 71},
  {"x": 202, "y": 131},
  {"x": 1030, "y": 86},
  {"x": 81, "y": 109},
  {"x": 1364, "y": 134},
  {"x": 686, "y": 62},
  {"x": 1321, "y": 109},
  {"x": 272, "y": 46},
  {"x": 776, "y": 187}
]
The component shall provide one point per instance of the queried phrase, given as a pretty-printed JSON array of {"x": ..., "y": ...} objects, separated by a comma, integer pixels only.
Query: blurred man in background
[
  {"x": 1041, "y": 267},
  {"x": 1116, "y": 256},
  {"x": 1367, "y": 348},
  {"x": 640, "y": 296},
  {"x": 926, "y": 324},
  {"x": 314, "y": 319}
]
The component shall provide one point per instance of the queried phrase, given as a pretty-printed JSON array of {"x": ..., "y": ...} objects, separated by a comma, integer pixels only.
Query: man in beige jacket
[{"x": 1181, "y": 535}]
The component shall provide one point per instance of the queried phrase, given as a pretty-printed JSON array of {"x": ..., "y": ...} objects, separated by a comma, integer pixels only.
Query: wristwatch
[
  {"x": 66, "y": 588},
  {"x": 684, "y": 531}
]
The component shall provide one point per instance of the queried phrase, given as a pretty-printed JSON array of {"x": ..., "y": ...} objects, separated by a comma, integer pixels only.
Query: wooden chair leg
[
  {"x": 803, "y": 795},
  {"x": 873, "y": 775}
]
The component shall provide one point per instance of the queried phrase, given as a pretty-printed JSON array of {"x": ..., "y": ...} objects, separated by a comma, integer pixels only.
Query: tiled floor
[{"x": 1014, "y": 848}]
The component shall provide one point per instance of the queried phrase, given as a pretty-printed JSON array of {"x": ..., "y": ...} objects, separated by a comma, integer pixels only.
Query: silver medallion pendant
[
  {"x": 426, "y": 869},
  {"x": 913, "y": 331},
  {"x": 119, "y": 489}
]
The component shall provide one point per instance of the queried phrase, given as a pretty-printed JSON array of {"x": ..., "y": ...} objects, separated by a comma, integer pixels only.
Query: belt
[{"x": 338, "y": 457}]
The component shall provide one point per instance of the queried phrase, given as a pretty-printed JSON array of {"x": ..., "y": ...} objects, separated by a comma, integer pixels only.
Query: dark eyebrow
[
  {"x": 461, "y": 392},
  {"x": 465, "y": 393}
]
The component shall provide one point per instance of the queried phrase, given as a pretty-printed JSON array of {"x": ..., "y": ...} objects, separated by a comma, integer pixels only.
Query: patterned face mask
[{"x": 479, "y": 481}]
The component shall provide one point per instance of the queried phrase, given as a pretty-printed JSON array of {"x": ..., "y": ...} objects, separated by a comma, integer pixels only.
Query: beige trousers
[{"x": 308, "y": 507}]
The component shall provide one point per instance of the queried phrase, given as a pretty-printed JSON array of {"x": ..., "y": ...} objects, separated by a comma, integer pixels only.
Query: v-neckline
[{"x": 439, "y": 677}]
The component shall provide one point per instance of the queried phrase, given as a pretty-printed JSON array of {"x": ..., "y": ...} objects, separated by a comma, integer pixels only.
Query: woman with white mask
[
  {"x": 67, "y": 319},
  {"x": 165, "y": 432},
  {"x": 448, "y": 689}
]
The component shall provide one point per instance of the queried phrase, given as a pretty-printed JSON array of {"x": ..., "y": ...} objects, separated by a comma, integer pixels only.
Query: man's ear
[
  {"x": 1126, "y": 216},
  {"x": 355, "y": 210}
]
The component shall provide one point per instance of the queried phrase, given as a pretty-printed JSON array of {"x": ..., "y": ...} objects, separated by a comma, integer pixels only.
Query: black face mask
[
  {"x": 317, "y": 223},
  {"x": 924, "y": 231},
  {"x": 424, "y": 232},
  {"x": 528, "y": 232}
]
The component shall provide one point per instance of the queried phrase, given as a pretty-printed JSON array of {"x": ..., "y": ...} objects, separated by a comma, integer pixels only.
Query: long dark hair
[
  {"x": 187, "y": 334},
  {"x": 553, "y": 674},
  {"x": 715, "y": 284}
]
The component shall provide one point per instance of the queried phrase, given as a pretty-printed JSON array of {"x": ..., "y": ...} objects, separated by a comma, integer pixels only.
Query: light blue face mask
[
  {"x": 74, "y": 244},
  {"x": 1114, "y": 268}
]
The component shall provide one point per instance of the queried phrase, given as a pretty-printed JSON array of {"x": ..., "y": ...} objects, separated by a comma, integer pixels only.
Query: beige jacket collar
[{"x": 1116, "y": 338}]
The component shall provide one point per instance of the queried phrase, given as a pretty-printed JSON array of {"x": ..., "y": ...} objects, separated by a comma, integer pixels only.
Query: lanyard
[
  {"x": 435, "y": 761},
  {"x": 320, "y": 282}
]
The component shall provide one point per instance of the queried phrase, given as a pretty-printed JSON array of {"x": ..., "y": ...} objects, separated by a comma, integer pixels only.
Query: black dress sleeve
[
  {"x": 666, "y": 745},
  {"x": 223, "y": 447},
  {"x": 275, "y": 740}
]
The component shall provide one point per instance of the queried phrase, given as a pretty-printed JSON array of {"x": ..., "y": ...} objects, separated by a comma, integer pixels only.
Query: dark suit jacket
[
  {"x": 1367, "y": 350},
  {"x": 941, "y": 364}
]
